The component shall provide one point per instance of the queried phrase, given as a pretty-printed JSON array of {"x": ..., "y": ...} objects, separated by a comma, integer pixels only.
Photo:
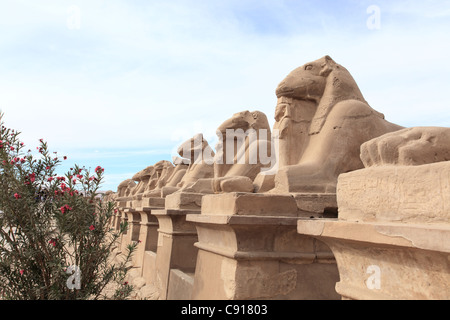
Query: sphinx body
[
  {"x": 322, "y": 119},
  {"x": 408, "y": 147},
  {"x": 171, "y": 175},
  {"x": 248, "y": 135},
  {"x": 125, "y": 188},
  {"x": 197, "y": 161}
]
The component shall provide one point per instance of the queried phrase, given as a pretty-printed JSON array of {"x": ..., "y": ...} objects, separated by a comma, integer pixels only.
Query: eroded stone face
[
  {"x": 244, "y": 140},
  {"x": 125, "y": 187},
  {"x": 322, "y": 119}
]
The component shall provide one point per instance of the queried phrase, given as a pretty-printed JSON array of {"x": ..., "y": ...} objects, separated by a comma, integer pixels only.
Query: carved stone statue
[
  {"x": 408, "y": 147},
  {"x": 125, "y": 187},
  {"x": 161, "y": 172},
  {"x": 322, "y": 119},
  {"x": 142, "y": 178},
  {"x": 236, "y": 169},
  {"x": 171, "y": 175},
  {"x": 199, "y": 155}
]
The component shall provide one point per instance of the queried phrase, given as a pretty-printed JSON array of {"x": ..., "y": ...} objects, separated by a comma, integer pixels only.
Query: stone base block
[
  {"x": 184, "y": 201},
  {"x": 387, "y": 260},
  {"x": 256, "y": 204},
  {"x": 249, "y": 248},
  {"x": 419, "y": 194},
  {"x": 149, "y": 268},
  {"x": 180, "y": 285},
  {"x": 176, "y": 248}
]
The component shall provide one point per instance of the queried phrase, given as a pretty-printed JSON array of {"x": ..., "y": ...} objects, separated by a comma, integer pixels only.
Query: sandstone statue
[
  {"x": 197, "y": 152},
  {"x": 142, "y": 178},
  {"x": 248, "y": 135},
  {"x": 322, "y": 119},
  {"x": 124, "y": 188},
  {"x": 170, "y": 177},
  {"x": 408, "y": 147},
  {"x": 159, "y": 175}
]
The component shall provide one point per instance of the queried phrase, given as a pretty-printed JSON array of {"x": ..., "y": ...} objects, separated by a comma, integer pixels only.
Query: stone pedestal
[
  {"x": 176, "y": 250},
  {"x": 148, "y": 237},
  {"x": 392, "y": 238},
  {"x": 133, "y": 232},
  {"x": 249, "y": 249},
  {"x": 145, "y": 256},
  {"x": 124, "y": 237}
]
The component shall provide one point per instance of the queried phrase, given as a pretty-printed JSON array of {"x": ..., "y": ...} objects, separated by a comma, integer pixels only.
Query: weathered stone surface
[
  {"x": 233, "y": 169},
  {"x": 386, "y": 260},
  {"x": 249, "y": 204},
  {"x": 322, "y": 119},
  {"x": 408, "y": 194},
  {"x": 184, "y": 200},
  {"x": 194, "y": 150},
  {"x": 408, "y": 147},
  {"x": 260, "y": 257}
]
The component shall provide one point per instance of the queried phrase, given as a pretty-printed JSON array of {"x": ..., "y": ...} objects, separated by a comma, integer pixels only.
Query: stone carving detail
[
  {"x": 125, "y": 187},
  {"x": 196, "y": 150},
  {"x": 408, "y": 147},
  {"x": 236, "y": 172},
  {"x": 322, "y": 119}
]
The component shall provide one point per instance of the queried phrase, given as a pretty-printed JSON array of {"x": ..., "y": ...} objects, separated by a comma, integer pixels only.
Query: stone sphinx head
[
  {"x": 125, "y": 187},
  {"x": 239, "y": 144},
  {"x": 322, "y": 119},
  {"x": 319, "y": 85},
  {"x": 196, "y": 150},
  {"x": 245, "y": 120},
  {"x": 142, "y": 177}
]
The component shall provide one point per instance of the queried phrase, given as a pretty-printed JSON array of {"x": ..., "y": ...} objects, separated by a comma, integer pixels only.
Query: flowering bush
[{"x": 52, "y": 226}]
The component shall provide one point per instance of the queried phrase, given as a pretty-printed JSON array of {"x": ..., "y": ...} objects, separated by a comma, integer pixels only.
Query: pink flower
[
  {"x": 21, "y": 272},
  {"x": 32, "y": 177},
  {"x": 52, "y": 242},
  {"x": 12, "y": 148},
  {"x": 99, "y": 169},
  {"x": 50, "y": 179},
  {"x": 47, "y": 168},
  {"x": 92, "y": 228},
  {"x": 65, "y": 208},
  {"x": 17, "y": 196}
]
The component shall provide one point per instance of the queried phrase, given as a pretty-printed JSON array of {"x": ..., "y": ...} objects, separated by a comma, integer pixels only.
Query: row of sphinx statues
[{"x": 322, "y": 128}]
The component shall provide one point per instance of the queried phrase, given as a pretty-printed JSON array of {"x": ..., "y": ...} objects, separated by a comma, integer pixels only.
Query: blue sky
[{"x": 122, "y": 83}]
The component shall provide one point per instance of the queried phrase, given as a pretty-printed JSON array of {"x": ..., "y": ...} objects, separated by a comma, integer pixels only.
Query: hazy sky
[{"x": 122, "y": 83}]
